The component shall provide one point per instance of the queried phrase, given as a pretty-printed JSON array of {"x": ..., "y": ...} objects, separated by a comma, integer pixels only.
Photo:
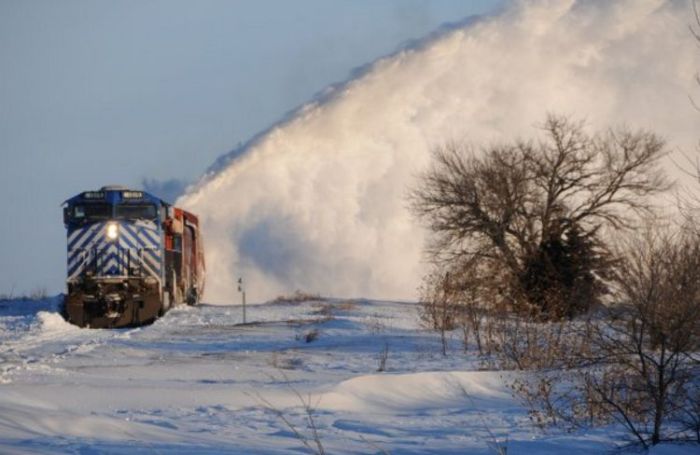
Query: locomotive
[{"x": 131, "y": 257}]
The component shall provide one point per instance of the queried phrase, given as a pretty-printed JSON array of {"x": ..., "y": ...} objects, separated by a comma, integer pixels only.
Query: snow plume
[{"x": 318, "y": 202}]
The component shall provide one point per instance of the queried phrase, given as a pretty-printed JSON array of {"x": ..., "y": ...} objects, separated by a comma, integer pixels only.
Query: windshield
[
  {"x": 136, "y": 211},
  {"x": 92, "y": 212}
]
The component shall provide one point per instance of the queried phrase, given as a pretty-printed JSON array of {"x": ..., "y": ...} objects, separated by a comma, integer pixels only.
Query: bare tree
[{"x": 523, "y": 206}]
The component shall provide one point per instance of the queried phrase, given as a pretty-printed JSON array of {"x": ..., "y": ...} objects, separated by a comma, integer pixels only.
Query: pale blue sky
[{"x": 100, "y": 92}]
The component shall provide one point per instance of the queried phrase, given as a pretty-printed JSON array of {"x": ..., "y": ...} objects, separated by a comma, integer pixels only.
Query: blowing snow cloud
[{"x": 318, "y": 202}]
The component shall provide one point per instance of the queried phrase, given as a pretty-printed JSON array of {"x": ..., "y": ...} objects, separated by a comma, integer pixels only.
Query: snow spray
[{"x": 319, "y": 202}]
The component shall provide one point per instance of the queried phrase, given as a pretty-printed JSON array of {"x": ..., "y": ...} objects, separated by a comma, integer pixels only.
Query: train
[{"x": 131, "y": 257}]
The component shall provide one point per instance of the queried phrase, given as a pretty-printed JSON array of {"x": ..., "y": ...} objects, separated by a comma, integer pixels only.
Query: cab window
[
  {"x": 92, "y": 212},
  {"x": 136, "y": 211}
]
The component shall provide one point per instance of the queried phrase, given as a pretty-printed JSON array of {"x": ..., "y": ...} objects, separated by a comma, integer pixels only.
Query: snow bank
[
  {"x": 54, "y": 322},
  {"x": 26, "y": 417},
  {"x": 416, "y": 391},
  {"x": 198, "y": 382},
  {"x": 318, "y": 202}
]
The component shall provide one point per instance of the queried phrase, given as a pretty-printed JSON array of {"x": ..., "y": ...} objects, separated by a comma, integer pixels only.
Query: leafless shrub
[
  {"x": 471, "y": 320},
  {"x": 298, "y": 297},
  {"x": 38, "y": 293},
  {"x": 310, "y": 436},
  {"x": 9, "y": 295},
  {"x": 640, "y": 363},
  {"x": 689, "y": 416},
  {"x": 498, "y": 447},
  {"x": 649, "y": 343},
  {"x": 311, "y": 441},
  {"x": 310, "y": 335},
  {"x": 439, "y": 306},
  {"x": 435, "y": 309},
  {"x": 347, "y": 305},
  {"x": 374, "y": 445},
  {"x": 481, "y": 292},
  {"x": 522, "y": 344},
  {"x": 283, "y": 362},
  {"x": 559, "y": 397},
  {"x": 376, "y": 324},
  {"x": 473, "y": 298},
  {"x": 325, "y": 310},
  {"x": 328, "y": 309}
]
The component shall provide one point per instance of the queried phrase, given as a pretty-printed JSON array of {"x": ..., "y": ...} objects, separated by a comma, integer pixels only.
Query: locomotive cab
[{"x": 131, "y": 257}]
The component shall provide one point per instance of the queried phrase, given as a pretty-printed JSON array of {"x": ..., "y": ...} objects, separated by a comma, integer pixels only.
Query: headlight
[{"x": 112, "y": 231}]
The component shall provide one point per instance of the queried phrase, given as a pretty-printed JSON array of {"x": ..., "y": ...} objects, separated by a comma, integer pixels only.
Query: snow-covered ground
[{"x": 198, "y": 381}]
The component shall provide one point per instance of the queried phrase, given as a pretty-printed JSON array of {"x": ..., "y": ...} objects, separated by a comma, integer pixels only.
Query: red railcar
[{"x": 184, "y": 256}]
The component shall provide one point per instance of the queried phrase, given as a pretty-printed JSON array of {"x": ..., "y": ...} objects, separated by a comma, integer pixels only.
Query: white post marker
[{"x": 241, "y": 289}]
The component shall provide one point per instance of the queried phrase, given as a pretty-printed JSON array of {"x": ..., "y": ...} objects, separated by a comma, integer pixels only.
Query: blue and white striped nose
[{"x": 113, "y": 248}]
